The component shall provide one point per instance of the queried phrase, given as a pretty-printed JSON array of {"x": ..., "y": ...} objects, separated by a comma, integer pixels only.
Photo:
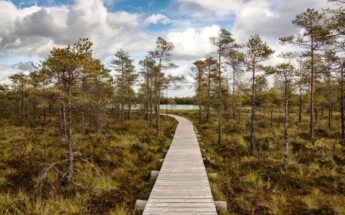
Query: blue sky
[
  {"x": 132, "y": 6},
  {"x": 30, "y": 28}
]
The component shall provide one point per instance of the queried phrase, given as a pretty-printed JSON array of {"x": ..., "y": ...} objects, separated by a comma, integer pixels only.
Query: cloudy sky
[{"x": 30, "y": 28}]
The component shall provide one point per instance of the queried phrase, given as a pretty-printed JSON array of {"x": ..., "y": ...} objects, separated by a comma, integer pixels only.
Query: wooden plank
[{"x": 182, "y": 186}]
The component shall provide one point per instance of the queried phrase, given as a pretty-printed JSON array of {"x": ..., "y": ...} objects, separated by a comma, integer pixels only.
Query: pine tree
[
  {"x": 313, "y": 24},
  {"x": 224, "y": 42},
  {"x": 200, "y": 90},
  {"x": 147, "y": 87},
  {"x": 257, "y": 52},
  {"x": 236, "y": 60},
  {"x": 125, "y": 79},
  {"x": 65, "y": 67},
  {"x": 285, "y": 72},
  {"x": 211, "y": 67},
  {"x": 162, "y": 56}
]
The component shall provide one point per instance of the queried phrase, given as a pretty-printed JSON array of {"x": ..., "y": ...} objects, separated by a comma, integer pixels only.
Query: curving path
[{"x": 182, "y": 186}]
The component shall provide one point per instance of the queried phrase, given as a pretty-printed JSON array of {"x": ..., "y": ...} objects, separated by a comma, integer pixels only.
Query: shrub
[{"x": 233, "y": 145}]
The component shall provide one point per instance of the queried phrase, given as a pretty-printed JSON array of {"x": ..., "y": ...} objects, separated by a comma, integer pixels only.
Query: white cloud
[
  {"x": 193, "y": 43},
  {"x": 23, "y": 66},
  {"x": 35, "y": 30},
  {"x": 265, "y": 17},
  {"x": 270, "y": 19},
  {"x": 217, "y": 7},
  {"x": 5, "y": 72},
  {"x": 271, "y": 22},
  {"x": 156, "y": 19}
]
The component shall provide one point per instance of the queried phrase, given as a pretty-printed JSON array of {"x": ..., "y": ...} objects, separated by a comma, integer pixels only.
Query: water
[
  {"x": 178, "y": 107},
  {"x": 164, "y": 107},
  {"x": 174, "y": 107}
]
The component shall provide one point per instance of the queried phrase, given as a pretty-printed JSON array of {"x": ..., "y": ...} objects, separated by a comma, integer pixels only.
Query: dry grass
[
  {"x": 112, "y": 169},
  {"x": 313, "y": 184}
]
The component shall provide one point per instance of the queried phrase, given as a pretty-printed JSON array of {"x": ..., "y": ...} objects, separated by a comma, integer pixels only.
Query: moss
[
  {"x": 112, "y": 168},
  {"x": 313, "y": 183},
  {"x": 233, "y": 145},
  {"x": 234, "y": 206}
]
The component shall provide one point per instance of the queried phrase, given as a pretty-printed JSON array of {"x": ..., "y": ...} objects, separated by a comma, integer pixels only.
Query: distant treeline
[{"x": 178, "y": 100}]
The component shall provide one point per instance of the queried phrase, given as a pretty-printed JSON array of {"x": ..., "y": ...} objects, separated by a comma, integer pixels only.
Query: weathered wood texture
[{"x": 182, "y": 186}]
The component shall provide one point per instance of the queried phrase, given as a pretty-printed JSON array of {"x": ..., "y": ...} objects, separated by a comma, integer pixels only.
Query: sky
[{"x": 29, "y": 29}]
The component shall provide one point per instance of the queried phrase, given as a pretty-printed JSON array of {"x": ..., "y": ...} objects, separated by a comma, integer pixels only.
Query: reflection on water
[
  {"x": 179, "y": 107},
  {"x": 163, "y": 107},
  {"x": 170, "y": 107}
]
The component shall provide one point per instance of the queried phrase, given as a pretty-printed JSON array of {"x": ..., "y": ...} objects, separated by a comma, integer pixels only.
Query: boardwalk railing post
[
  {"x": 154, "y": 174},
  {"x": 212, "y": 175},
  {"x": 140, "y": 205},
  {"x": 221, "y": 205}
]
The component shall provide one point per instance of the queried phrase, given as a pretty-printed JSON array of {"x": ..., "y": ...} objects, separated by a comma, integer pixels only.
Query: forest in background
[{"x": 72, "y": 144}]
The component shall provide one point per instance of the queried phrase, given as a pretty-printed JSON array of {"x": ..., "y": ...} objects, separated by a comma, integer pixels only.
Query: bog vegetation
[
  {"x": 276, "y": 149},
  {"x": 72, "y": 143},
  {"x": 70, "y": 140}
]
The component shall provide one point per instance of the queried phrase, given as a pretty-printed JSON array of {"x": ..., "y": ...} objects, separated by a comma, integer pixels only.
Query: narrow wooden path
[{"x": 182, "y": 186}]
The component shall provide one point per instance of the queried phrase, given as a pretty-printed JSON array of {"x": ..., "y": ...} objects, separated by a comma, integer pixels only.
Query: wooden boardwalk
[{"x": 182, "y": 186}]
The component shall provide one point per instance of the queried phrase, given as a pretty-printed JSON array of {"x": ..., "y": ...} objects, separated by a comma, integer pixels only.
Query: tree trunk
[
  {"x": 158, "y": 96},
  {"x": 342, "y": 117},
  {"x": 199, "y": 114},
  {"x": 233, "y": 91},
  {"x": 300, "y": 106},
  {"x": 70, "y": 143},
  {"x": 122, "y": 111},
  {"x": 158, "y": 123},
  {"x": 252, "y": 124},
  {"x": 316, "y": 110},
  {"x": 208, "y": 94},
  {"x": 122, "y": 117},
  {"x": 150, "y": 101},
  {"x": 219, "y": 100},
  {"x": 129, "y": 108},
  {"x": 286, "y": 133},
  {"x": 200, "y": 98},
  {"x": 329, "y": 98},
  {"x": 67, "y": 177},
  {"x": 148, "y": 98},
  {"x": 311, "y": 108},
  {"x": 150, "y": 110}
]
